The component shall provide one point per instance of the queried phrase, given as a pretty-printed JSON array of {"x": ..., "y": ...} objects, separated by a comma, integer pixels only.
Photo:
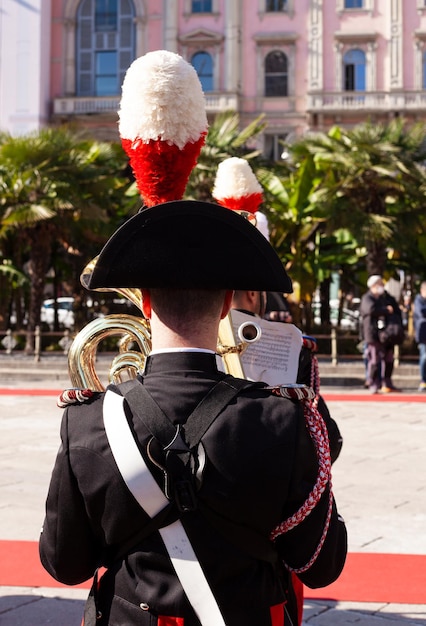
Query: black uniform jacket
[{"x": 261, "y": 465}]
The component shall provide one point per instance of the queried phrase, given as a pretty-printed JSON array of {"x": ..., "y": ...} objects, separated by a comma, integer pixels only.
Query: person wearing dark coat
[
  {"x": 260, "y": 462},
  {"x": 188, "y": 494},
  {"x": 376, "y": 306},
  {"x": 419, "y": 319}
]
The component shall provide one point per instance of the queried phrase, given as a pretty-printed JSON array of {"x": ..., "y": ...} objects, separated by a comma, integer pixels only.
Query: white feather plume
[
  {"x": 235, "y": 179},
  {"x": 162, "y": 99}
]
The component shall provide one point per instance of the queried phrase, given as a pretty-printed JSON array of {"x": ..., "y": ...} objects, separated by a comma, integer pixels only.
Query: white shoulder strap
[{"x": 148, "y": 494}]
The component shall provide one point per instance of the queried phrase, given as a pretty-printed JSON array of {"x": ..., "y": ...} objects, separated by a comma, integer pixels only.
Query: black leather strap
[
  {"x": 220, "y": 395},
  {"x": 160, "y": 426}
]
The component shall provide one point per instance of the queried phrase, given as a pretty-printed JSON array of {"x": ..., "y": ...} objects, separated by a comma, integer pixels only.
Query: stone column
[{"x": 232, "y": 59}]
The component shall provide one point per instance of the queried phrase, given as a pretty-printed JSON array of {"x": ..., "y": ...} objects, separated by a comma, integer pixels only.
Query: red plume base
[
  {"x": 249, "y": 203},
  {"x": 162, "y": 170}
]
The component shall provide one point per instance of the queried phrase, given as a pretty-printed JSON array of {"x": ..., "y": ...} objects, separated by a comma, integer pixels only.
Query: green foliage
[
  {"x": 346, "y": 201},
  {"x": 61, "y": 197},
  {"x": 15, "y": 277},
  {"x": 370, "y": 181}
]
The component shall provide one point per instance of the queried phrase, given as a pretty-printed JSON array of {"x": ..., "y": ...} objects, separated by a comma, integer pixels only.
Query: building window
[
  {"x": 203, "y": 64},
  {"x": 201, "y": 6},
  {"x": 354, "y": 4},
  {"x": 276, "y": 5},
  {"x": 106, "y": 73},
  {"x": 276, "y": 74},
  {"x": 105, "y": 15},
  {"x": 274, "y": 147},
  {"x": 105, "y": 45},
  {"x": 354, "y": 70}
]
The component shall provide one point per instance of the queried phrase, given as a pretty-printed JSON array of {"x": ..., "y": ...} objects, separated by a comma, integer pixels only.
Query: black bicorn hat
[{"x": 190, "y": 245}]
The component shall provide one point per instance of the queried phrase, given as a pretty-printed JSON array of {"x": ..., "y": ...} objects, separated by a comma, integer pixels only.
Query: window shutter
[
  {"x": 89, "y": 42},
  {"x": 85, "y": 35},
  {"x": 86, "y": 8},
  {"x": 126, "y": 31}
]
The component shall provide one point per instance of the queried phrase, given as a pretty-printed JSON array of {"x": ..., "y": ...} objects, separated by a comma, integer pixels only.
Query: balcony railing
[
  {"x": 323, "y": 102},
  {"x": 85, "y": 106},
  {"x": 215, "y": 102}
]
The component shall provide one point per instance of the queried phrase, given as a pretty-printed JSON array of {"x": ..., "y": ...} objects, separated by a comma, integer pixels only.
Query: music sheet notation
[{"x": 274, "y": 358}]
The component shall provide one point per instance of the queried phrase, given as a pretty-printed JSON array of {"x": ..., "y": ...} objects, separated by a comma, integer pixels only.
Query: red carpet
[
  {"x": 358, "y": 397},
  {"x": 397, "y": 578},
  {"x": 20, "y": 566},
  {"x": 329, "y": 396},
  {"x": 4, "y": 391}
]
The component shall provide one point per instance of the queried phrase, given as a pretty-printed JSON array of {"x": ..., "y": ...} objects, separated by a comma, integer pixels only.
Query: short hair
[{"x": 179, "y": 307}]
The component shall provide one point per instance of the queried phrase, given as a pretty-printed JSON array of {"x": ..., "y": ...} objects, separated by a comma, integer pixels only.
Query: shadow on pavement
[
  {"x": 38, "y": 610},
  {"x": 329, "y": 612}
]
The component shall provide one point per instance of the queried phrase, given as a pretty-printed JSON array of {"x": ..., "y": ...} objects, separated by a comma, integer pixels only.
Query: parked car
[
  {"x": 65, "y": 312},
  {"x": 349, "y": 316}
]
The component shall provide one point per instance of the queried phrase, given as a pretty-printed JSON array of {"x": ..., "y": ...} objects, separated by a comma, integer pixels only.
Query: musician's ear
[
  {"x": 227, "y": 303},
  {"x": 146, "y": 303}
]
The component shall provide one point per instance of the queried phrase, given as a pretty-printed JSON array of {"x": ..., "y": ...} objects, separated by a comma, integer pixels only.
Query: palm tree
[
  {"x": 371, "y": 181},
  {"x": 296, "y": 231},
  {"x": 57, "y": 188}
]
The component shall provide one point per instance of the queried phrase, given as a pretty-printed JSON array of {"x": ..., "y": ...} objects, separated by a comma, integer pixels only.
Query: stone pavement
[{"x": 379, "y": 482}]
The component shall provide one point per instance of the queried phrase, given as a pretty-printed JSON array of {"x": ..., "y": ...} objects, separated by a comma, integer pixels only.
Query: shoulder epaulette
[
  {"x": 310, "y": 343},
  {"x": 74, "y": 396},
  {"x": 293, "y": 391}
]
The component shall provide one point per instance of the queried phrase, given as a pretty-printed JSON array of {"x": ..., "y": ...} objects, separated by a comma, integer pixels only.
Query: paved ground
[{"x": 379, "y": 483}]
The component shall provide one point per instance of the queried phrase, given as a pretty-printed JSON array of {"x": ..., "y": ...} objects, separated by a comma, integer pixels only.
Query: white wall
[{"x": 24, "y": 65}]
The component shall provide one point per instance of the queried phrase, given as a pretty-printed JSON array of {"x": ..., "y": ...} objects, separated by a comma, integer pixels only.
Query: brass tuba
[{"x": 82, "y": 355}]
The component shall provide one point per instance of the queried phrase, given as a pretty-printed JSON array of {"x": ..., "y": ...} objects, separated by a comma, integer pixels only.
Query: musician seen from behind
[
  {"x": 236, "y": 185},
  {"x": 197, "y": 518}
]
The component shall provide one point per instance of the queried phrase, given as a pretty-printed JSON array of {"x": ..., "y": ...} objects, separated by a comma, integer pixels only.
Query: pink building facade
[{"x": 304, "y": 64}]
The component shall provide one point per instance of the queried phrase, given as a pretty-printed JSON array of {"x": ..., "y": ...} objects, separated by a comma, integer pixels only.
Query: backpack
[{"x": 393, "y": 333}]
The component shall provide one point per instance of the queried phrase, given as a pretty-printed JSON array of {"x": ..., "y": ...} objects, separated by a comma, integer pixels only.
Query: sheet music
[{"x": 274, "y": 358}]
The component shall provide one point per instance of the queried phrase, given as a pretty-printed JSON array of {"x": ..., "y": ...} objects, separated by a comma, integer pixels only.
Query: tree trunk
[
  {"x": 376, "y": 257},
  {"x": 325, "y": 301},
  {"x": 37, "y": 268}
]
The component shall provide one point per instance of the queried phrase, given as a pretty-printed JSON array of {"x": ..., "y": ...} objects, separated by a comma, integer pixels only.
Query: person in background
[
  {"x": 419, "y": 319},
  {"x": 376, "y": 305},
  {"x": 237, "y": 187},
  {"x": 406, "y": 310}
]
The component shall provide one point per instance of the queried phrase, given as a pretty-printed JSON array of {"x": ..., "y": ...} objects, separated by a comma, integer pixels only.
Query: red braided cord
[
  {"x": 318, "y": 432},
  {"x": 73, "y": 396},
  {"x": 293, "y": 392},
  {"x": 304, "y": 568}
]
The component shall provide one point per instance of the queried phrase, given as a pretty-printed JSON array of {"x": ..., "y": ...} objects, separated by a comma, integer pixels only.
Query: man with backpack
[{"x": 381, "y": 328}]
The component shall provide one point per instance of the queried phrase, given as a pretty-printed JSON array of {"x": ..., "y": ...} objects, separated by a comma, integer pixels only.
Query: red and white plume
[
  {"x": 236, "y": 187},
  {"x": 162, "y": 124}
]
